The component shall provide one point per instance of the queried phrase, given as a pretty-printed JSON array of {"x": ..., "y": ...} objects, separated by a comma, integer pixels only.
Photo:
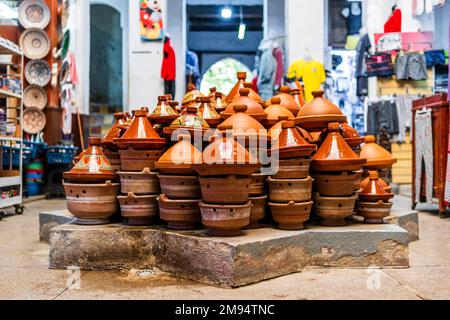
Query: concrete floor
[{"x": 24, "y": 272}]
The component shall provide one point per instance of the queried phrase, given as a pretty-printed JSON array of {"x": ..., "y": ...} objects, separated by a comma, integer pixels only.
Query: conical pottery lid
[
  {"x": 191, "y": 95},
  {"x": 207, "y": 112},
  {"x": 299, "y": 97},
  {"x": 218, "y": 102},
  {"x": 180, "y": 157},
  {"x": 115, "y": 132},
  {"x": 291, "y": 144},
  {"x": 241, "y": 76},
  {"x": 254, "y": 109},
  {"x": 383, "y": 183},
  {"x": 377, "y": 157},
  {"x": 244, "y": 124},
  {"x": 163, "y": 113},
  {"x": 140, "y": 134},
  {"x": 275, "y": 130},
  {"x": 316, "y": 114},
  {"x": 253, "y": 95},
  {"x": 374, "y": 191},
  {"x": 191, "y": 122},
  {"x": 287, "y": 100},
  {"x": 276, "y": 110},
  {"x": 212, "y": 92},
  {"x": 335, "y": 154},
  {"x": 351, "y": 136},
  {"x": 93, "y": 166}
]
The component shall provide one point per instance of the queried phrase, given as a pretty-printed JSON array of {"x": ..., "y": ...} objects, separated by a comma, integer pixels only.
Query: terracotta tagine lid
[
  {"x": 212, "y": 92},
  {"x": 191, "y": 95},
  {"x": 115, "y": 132},
  {"x": 243, "y": 124},
  {"x": 141, "y": 134},
  {"x": 253, "y": 95},
  {"x": 175, "y": 105},
  {"x": 299, "y": 97},
  {"x": 351, "y": 136},
  {"x": 93, "y": 165},
  {"x": 190, "y": 122},
  {"x": 287, "y": 100},
  {"x": 254, "y": 109},
  {"x": 374, "y": 191},
  {"x": 377, "y": 157},
  {"x": 318, "y": 113},
  {"x": 241, "y": 77},
  {"x": 275, "y": 111},
  {"x": 291, "y": 144},
  {"x": 383, "y": 184},
  {"x": 180, "y": 158},
  {"x": 163, "y": 113},
  {"x": 208, "y": 113},
  {"x": 275, "y": 130},
  {"x": 335, "y": 154},
  {"x": 218, "y": 102}
]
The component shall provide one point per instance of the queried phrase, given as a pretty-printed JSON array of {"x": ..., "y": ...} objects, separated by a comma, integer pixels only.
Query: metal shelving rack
[{"x": 8, "y": 176}]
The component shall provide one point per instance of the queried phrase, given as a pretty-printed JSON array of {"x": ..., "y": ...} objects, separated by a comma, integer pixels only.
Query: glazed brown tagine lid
[
  {"x": 140, "y": 134},
  {"x": 93, "y": 165},
  {"x": 275, "y": 130},
  {"x": 254, "y": 109},
  {"x": 377, "y": 156},
  {"x": 241, "y": 77},
  {"x": 191, "y": 95},
  {"x": 286, "y": 100},
  {"x": 243, "y": 124},
  {"x": 275, "y": 111},
  {"x": 207, "y": 112},
  {"x": 374, "y": 191},
  {"x": 190, "y": 122},
  {"x": 291, "y": 144},
  {"x": 115, "y": 132},
  {"x": 218, "y": 102},
  {"x": 351, "y": 136},
  {"x": 180, "y": 158},
  {"x": 318, "y": 113},
  {"x": 212, "y": 92},
  {"x": 225, "y": 156},
  {"x": 253, "y": 95},
  {"x": 335, "y": 154},
  {"x": 299, "y": 97},
  {"x": 163, "y": 113},
  {"x": 382, "y": 182}
]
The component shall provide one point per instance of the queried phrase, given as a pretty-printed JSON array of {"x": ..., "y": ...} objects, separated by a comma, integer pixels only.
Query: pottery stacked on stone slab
[
  {"x": 334, "y": 168},
  {"x": 225, "y": 179},
  {"x": 180, "y": 186},
  {"x": 109, "y": 148},
  {"x": 290, "y": 189},
  {"x": 91, "y": 187},
  {"x": 373, "y": 201}
]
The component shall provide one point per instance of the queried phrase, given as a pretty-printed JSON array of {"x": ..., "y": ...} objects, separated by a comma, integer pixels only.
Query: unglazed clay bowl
[
  {"x": 374, "y": 213},
  {"x": 340, "y": 184},
  {"x": 286, "y": 190},
  {"x": 180, "y": 187},
  {"x": 179, "y": 214},
  {"x": 293, "y": 169},
  {"x": 140, "y": 210},
  {"x": 113, "y": 158},
  {"x": 136, "y": 160},
  {"x": 258, "y": 184},
  {"x": 333, "y": 211},
  {"x": 225, "y": 190},
  {"x": 139, "y": 183},
  {"x": 258, "y": 211},
  {"x": 292, "y": 215}
]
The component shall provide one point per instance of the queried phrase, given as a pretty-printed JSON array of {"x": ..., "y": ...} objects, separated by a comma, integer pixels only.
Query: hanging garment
[
  {"x": 312, "y": 74},
  {"x": 362, "y": 49},
  {"x": 278, "y": 54},
  {"x": 404, "y": 111},
  {"x": 435, "y": 58},
  {"x": 382, "y": 115},
  {"x": 379, "y": 65},
  {"x": 169, "y": 65},
  {"x": 266, "y": 74},
  {"x": 354, "y": 22},
  {"x": 351, "y": 43},
  {"x": 73, "y": 68},
  {"x": 362, "y": 86},
  {"x": 423, "y": 139},
  {"x": 394, "y": 23},
  {"x": 412, "y": 66},
  {"x": 169, "y": 87},
  {"x": 192, "y": 68}
]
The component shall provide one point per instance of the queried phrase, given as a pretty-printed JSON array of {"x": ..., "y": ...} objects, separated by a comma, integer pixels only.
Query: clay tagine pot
[
  {"x": 191, "y": 95},
  {"x": 334, "y": 211},
  {"x": 180, "y": 187},
  {"x": 207, "y": 112},
  {"x": 93, "y": 165},
  {"x": 218, "y": 102},
  {"x": 258, "y": 211},
  {"x": 339, "y": 184},
  {"x": 179, "y": 158},
  {"x": 286, "y": 100},
  {"x": 180, "y": 214},
  {"x": 374, "y": 212},
  {"x": 190, "y": 122},
  {"x": 243, "y": 125},
  {"x": 377, "y": 157},
  {"x": 318, "y": 113},
  {"x": 351, "y": 136},
  {"x": 253, "y": 95},
  {"x": 140, "y": 134},
  {"x": 115, "y": 132},
  {"x": 137, "y": 160},
  {"x": 275, "y": 111},
  {"x": 225, "y": 220},
  {"x": 254, "y": 109},
  {"x": 335, "y": 154},
  {"x": 275, "y": 130},
  {"x": 290, "y": 143},
  {"x": 291, "y": 216},
  {"x": 139, "y": 183},
  {"x": 140, "y": 210},
  {"x": 299, "y": 97},
  {"x": 286, "y": 190},
  {"x": 382, "y": 182},
  {"x": 225, "y": 190},
  {"x": 374, "y": 191},
  {"x": 297, "y": 168},
  {"x": 163, "y": 113},
  {"x": 241, "y": 77},
  {"x": 212, "y": 92},
  {"x": 258, "y": 184}
]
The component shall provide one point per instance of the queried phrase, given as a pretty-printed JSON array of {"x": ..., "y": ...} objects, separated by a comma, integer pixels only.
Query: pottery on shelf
[
  {"x": 258, "y": 184},
  {"x": 336, "y": 184},
  {"x": 286, "y": 190},
  {"x": 137, "y": 160},
  {"x": 93, "y": 165},
  {"x": 374, "y": 212},
  {"x": 254, "y": 109},
  {"x": 291, "y": 215},
  {"x": 191, "y": 95},
  {"x": 275, "y": 111},
  {"x": 374, "y": 191},
  {"x": 335, "y": 154},
  {"x": 92, "y": 204},
  {"x": 225, "y": 220},
  {"x": 241, "y": 77},
  {"x": 334, "y": 211},
  {"x": 291, "y": 144},
  {"x": 140, "y": 210},
  {"x": 318, "y": 113},
  {"x": 297, "y": 168},
  {"x": 179, "y": 214},
  {"x": 180, "y": 187},
  {"x": 190, "y": 122},
  {"x": 218, "y": 102},
  {"x": 139, "y": 183},
  {"x": 208, "y": 113},
  {"x": 180, "y": 158},
  {"x": 225, "y": 190},
  {"x": 243, "y": 125},
  {"x": 115, "y": 132},
  {"x": 258, "y": 211},
  {"x": 163, "y": 113},
  {"x": 377, "y": 157},
  {"x": 286, "y": 100},
  {"x": 299, "y": 97}
]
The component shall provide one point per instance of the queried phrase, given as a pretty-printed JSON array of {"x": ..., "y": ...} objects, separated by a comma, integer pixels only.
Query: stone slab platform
[
  {"x": 228, "y": 262},
  {"x": 49, "y": 220}
]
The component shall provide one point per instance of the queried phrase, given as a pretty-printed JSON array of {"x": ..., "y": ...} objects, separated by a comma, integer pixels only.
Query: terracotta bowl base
[
  {"x": 91, "y": 222},
  {"x": 252, "y": 225},
  {"x": 374, "y": 221},
  {"x": 182, "y": 225},
  {"x": 141, "y": 221},
  {"x": 333, "y": 222},
  {"x": 291, "y": 227}
]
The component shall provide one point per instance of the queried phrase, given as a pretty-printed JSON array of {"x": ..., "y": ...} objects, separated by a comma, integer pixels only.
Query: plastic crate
[
  {"x": 60, "y": 154},
  {"x": 27, "y": 156}
]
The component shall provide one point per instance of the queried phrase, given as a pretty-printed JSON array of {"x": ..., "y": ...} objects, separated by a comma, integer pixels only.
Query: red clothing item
[
  {"x": 394, "y": 23},
  {"x": 278, "y": 54},
  {"x": 169, "y": 65}
]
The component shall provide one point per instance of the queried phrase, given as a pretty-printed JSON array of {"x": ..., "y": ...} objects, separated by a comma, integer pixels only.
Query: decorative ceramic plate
[
  {"x": 35, "y": 96},
  {"x": 38, "y": 72},
  {"x": 65, "y": 42},
  {"x": 33, "y": 120},
  {"x": 64, "y": 72},
  {"x": 34, "y": 14},
  {"x": 35, "y": 43}
]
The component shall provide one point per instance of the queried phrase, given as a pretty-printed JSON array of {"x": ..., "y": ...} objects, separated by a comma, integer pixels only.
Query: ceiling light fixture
[
  {"x": 227, "y": 13},
  {"x": 242, "y": 26}
]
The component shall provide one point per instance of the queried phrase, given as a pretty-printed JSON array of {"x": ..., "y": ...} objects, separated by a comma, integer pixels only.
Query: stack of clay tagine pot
[
  {"x": 208, "y": 113},
  {"x": 90, "y": 187},
  {"x": 291, "y": 187},
  {"x": 241, "y": 77},
  {"x": 275, "y": 111},
  {"x": 192, "y": 93},
  {"x": 373, "y": 201},
  {"x": 286, "y": 100},
  {"x": 163, "y": 114},
  {"x": 109, "y": 148},
  {"x": 333, "y": 168},
  {"x": 180, "y": 186},
  {"x": 218, "y": 102},
  {"x": 254, "y": 109},
  {"x": 225, "y": 178}
]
